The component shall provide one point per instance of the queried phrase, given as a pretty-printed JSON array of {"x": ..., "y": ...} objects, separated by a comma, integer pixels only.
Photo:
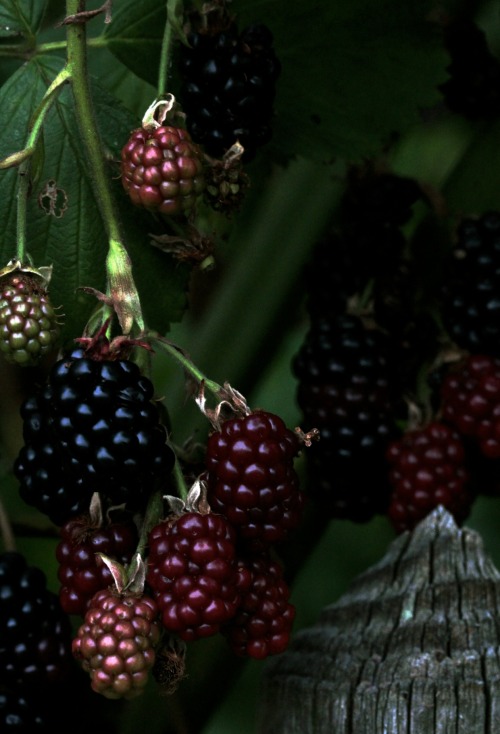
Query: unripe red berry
[
  {"x": 116, "y": 643},
  {"x": 162, "y": 170},
  {"x": 192, "y": 571}
]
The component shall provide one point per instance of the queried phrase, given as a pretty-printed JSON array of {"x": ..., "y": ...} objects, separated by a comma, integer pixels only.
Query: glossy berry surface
[
  {"x": 116, "y": 643},
  {"x": 263, "y": 623},
  {"x": 28, "y": 322},
  {"x": 20, "y": 715},
  {"x": 470, "y": 401},
  {"x": 92, "y": 428},
  {"x": 192, "y": 572},
  {"x": 162, "y": 170},
  {"x": 347, "y": 388},
  {"x": 228, "y": 87},
  {"x": 427, "y": 469},
  {"x": 251, "y": 478},
  {"x": 470, "y": 300},
  {"x": 80, "y": 571},
  {"x": 35, "y": 634}
]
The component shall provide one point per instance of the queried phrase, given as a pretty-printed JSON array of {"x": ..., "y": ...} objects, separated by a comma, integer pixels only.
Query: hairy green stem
[
  {"x": 165, "y": 58},
  {"x": 188, "y": 365},
  {"x": 121, "y": 284},
  {"x": 179, "y": 481},
  {"x": 152, "y": 516}
]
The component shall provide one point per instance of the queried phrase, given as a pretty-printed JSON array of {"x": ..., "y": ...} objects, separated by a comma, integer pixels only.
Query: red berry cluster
[{"x": 212, "y": 570}]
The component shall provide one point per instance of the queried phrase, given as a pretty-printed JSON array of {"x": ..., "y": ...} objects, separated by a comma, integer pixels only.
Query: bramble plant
[{"x": 225, "y": 321}]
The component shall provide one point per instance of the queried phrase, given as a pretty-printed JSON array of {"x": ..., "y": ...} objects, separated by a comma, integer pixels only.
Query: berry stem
[
  {"x": 178, "y": 354},
  {"x": 179, "y": 481},
  {"x": 121, "y": 286},
  {"x": 167, "y": 47}
]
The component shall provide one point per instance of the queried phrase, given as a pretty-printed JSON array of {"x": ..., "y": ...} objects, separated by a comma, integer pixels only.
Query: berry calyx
[
  {"x": 427, "y": 469},
  {"x": 251, "y": 478},
  {"x": 29, "y": 327},
  {"x": 192, "y": 572},
  {"x": 162, "y": 170}
]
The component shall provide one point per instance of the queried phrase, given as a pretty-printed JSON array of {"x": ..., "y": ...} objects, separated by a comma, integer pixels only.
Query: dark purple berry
[{"x": 92, "y": 428}]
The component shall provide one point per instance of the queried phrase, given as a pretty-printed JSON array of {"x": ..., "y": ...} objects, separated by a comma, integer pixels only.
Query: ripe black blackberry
[
  {"x": 92, "y": 428},
  {"x": 470, "y": 301},
  {"x": 473, "y": 87},
  {"x": 20, "y": 715},
  {"x": 35, "y": 634},
  {"x": 347, "y": 389},
  {"x": 228, "y": 86}
]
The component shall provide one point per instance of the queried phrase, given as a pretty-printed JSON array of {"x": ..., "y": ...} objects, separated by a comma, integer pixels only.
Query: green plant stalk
[
  {"x": 35, "y": 129},
  {"x": 188, "y": 365},
  {"x": 121, "y": 286},
  {"x": 165, "y": 57}
]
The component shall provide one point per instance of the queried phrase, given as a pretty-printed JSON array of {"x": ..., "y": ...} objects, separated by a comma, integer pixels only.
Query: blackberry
[
  {"x": 470, "y": 401},
  {"x": 92, "y": 428},
  {"x": 228, "y": 87},
  {"x": 427, "y": 469},
  {"x": 347, "y": 388},
  {"x": 470, "y": 301},
  {"x": 251, "y": 478},
  {"x": 116, "y": 643},
  {"x": 80, "y": 571},
  {"x": 473, "y": 87},
  {"x": 20, "y": 715},
  {"x": 192, "y": 572},
  {"x": 35, "y": 634},
  {"x": 263, "y": 623},
  {"x": 162, "y": 170},
  {"x": 28, "y": 322}
]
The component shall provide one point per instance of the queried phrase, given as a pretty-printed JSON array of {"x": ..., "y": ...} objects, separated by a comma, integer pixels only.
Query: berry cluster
[
  {"x": 211, "y": 568},
  {"x": 361, "y": 362},
  {"x": 228, "y": 84}
]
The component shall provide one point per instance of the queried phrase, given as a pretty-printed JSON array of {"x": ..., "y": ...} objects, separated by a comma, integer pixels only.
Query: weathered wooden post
[{"x": 413, "y": 647}]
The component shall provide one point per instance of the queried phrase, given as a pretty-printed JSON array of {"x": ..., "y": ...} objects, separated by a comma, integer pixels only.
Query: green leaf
[
  {"x": 473, "y": 185},
  {"x": 65, "y": 228},
  {"x": 353, "y": 73},
  {"x": 21, "y": 17},
  {"x": 135, "y": 35}
]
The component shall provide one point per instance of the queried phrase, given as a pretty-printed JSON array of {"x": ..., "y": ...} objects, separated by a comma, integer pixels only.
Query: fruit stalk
[
  {"x": 166, "y": 48},
  {"x": 121, "y": 284}
]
